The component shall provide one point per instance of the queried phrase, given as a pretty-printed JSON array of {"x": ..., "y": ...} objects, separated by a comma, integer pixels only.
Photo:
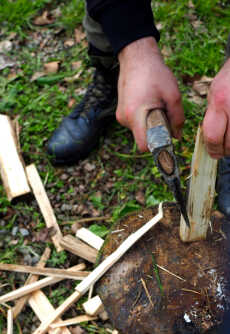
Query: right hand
[{"x": 145, "y": 83}]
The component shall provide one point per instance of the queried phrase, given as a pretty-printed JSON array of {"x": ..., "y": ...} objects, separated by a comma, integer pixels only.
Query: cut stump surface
[{"x": 197, "y": 304}]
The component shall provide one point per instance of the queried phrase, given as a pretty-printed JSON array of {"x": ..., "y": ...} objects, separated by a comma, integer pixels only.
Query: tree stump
[{"x": 141, "y": 301}]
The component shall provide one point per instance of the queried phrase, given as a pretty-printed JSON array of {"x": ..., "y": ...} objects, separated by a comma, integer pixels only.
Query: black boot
[
  {"x": 79, "y": 132},
  {"x": 223, "y": 186}
]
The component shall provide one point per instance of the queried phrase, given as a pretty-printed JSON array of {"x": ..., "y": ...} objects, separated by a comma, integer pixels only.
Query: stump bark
[{"x": 138, "y": 303}]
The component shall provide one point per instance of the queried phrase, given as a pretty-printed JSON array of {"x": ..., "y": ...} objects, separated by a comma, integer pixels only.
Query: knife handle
[{"x": 165, "y": 160}]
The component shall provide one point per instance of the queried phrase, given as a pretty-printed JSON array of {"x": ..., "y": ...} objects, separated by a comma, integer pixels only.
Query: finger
[
  {"x": 214, "y": 128},
  {"x": 175, "y": 114}
]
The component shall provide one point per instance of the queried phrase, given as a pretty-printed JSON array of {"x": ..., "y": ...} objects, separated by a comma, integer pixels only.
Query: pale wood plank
[
  {"x": 62, "y": 273},
  {"x": 79, "y": 248},
  {"x": 31, "y": 287},
  {"x": 11, "y": 167},
  {"x": 10, "y": 324},
  {"x": 93, "y": 306},
  {"x": 90, "y": 238},
  {"x": 73, "y": 321},
  {"x": 201, "y": 193},
  {"x": 44, "y": 204},
  {"x": 97, "y": 273}
]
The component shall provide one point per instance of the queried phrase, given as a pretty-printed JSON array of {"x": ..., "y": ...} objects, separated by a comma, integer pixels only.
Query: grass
[{"x": 120, "y": 170}]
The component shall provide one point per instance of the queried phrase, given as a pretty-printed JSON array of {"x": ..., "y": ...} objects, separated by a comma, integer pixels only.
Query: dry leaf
[
  {"x": 5, "y": 62},
  {"x": 76, "y": 65},
  {"x": 71, "y": 103},
  {"x": 140, "y": 197},
  {"x": 5, "y": 46},
  {"x": 37, "y": 75},
  {"x": 166, "y": 51},
  {"x": 74, "y": 78},
  {"x": 51, "y": 67},
  {"x": 79, "y": 35},
  {"x": 202, "y": 86},
  {"x": 69, "y": 42},
  {"x": 77, "y": 330},
  {"x": 44, "y": 19}
]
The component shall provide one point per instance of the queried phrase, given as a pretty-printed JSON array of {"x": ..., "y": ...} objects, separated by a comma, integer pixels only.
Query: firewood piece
[
  {"x": 201, "y": 193},
  {"x": 98, "y": 272},
  {"x": 93, "y": 306},
  {"x": 62, "y": 273},
  {"x": 27, "y": 289},
  {"x": 90, "y": 238},
  {"x": 11, "y": 167},
  {"x": 32, "y": 278},
  {"x": 41, "y": 307},
  {"x": 73, "y": 321},
  {"x": 79, "y": 248},
  {"x": 10, "y": 325},
  {"x": 44, "y": 204}
]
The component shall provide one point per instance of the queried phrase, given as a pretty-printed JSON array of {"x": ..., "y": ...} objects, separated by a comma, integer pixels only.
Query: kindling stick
[{"x": 97, "y": 273}]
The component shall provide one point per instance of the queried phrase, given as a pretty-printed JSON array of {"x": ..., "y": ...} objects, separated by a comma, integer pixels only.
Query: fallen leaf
[
  {"x": 166, "y": 51},
  {"x": 77, "y": 330},
  {"x": 51, "y": 67},
  {"x": 71, "y": 103},
  {"x": 44, "y": 19},
  {"x": 140, "y": 197},
  {"x": 76, "y": 65},
  {"x": 202, "y": 86},
  {"x": 37, "y": 75},
  {"x": 69, "y": 42},
  {"x": 74, "y": 78},
  {"x": 79, "y": 35},
  {"x": 5, "y": 62},
  {"x": 5, "y": 46}
]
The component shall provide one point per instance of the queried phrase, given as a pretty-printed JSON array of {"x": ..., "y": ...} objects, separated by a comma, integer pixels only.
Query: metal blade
[{"x": 176, "y": 188}]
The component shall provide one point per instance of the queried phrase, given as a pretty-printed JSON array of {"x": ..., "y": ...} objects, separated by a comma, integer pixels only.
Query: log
[
  {"x": 11, "y": 167},
  {"x": 41, "y": 307},
  {"x": 79, "y": 248},
  {"x": 201, "y": 193},
  {"x": 97, "y": 273},
  {"x": 73, "y": 321},
  {"x": 32, "y": 278},
  {"x": 93, "y": 306},
  {"x": 44, "y": 204},
  {"x": 90, "y": 238},
  {"x": 10, "y": 327},
  {"x": 61, "y": 273},
  {"x": 29, "y": 288}
]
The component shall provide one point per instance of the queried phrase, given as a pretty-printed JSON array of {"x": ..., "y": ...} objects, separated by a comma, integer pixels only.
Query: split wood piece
[
  {"x": 32, "y": 287},
  {"x": 90, "y": 238},
  {"x": 44, "y": 204},
  {"x": 61, "y": 273},
  {"x": 10, "y": 325},
  {"x": 11, "y": 167},
  {"x": 73, "y": 321},
  {"x": 201, "y": 193},
  {"x": 93, "y": 306},
  {"x": 41, "y": 307},
  {"x": 31, "y": 279},
  {"x": 79, "y": 248},
  {"x": 98, "y": 272}
]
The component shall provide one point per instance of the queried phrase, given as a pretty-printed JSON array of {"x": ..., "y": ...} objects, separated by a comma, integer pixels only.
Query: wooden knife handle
[{"x": 157, "y": 117}]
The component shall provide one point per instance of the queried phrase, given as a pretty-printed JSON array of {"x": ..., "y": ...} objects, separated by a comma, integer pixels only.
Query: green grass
[{"x": 41, "y": 104}]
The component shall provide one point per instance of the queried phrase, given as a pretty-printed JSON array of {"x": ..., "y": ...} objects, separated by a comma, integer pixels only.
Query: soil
[{"x": 141, "y": 301}]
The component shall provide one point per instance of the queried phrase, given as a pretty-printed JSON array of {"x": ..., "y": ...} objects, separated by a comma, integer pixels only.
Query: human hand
[
  {"x": 216, "y": 124},
  {"x": 145, "y": 83}
]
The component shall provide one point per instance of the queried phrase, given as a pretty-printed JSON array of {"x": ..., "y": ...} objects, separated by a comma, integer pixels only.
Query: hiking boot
[
  {"x": 223, "y": 186},
  {"x": 79, "y": 132}
]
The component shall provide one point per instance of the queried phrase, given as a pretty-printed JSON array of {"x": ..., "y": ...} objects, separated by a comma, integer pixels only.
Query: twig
[
  {"x": 170, "y": 273},
  {"x": 73, "y": 321},
  {"x": 87, "y": 220},
  {"x": 189, "y": 290},
  {"x": 147, "y": 292}
]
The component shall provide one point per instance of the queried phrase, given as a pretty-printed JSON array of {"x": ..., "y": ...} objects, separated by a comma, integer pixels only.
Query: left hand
[{"x": 216, "y": 124}]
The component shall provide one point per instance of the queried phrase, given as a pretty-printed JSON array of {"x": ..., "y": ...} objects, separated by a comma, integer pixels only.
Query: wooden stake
[
  {"x": 93, "y": 306},
  {"x": 62, "y": 273},
  {"x": 201, "y": 193},
  {"x": 11, "y": 167},
  {"x": 97, "y": 273},
  {"x": 44, "y": 204},
  {"x": 32, "y": 278},
  {"x": 10, "y": 326},
  {"x": 73, "y": 321},
  {"x": 27, "y": 289},
  {"x": 79, "y": 248},
  {"x": 90, "y": 238}
]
